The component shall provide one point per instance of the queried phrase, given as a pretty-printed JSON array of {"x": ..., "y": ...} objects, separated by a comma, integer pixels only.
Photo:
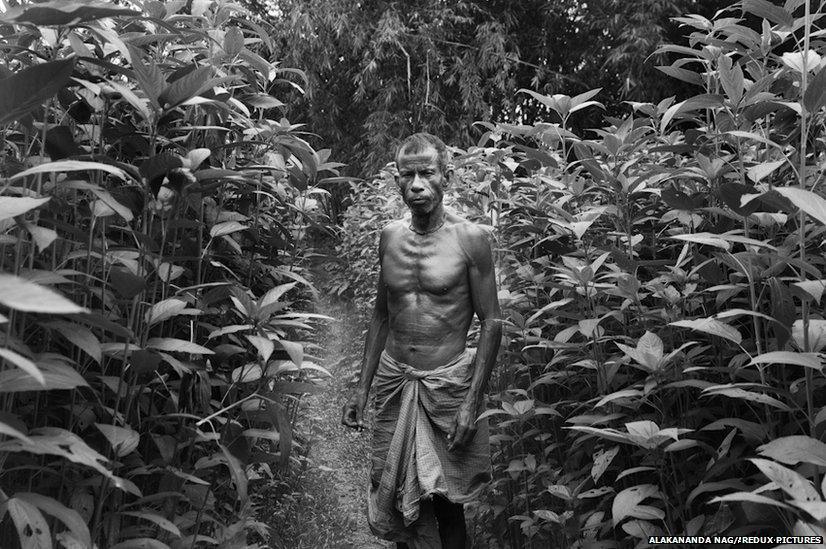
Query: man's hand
[
  {"x": 352, "y": 415},
  {"x": 464, "y": 428}
]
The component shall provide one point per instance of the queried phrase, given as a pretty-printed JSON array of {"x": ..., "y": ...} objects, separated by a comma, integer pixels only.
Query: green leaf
[
  {"x": 760, "y": 171},
  {"x": 768, "y": 11},
  {"x": 177, "y": 345},
  {"x": 812, "y": 288},
  {"x": 164, "y": 310},
  {"x": 43, "y": 237},
  {"x": 30, "y": 87},
  {"x": 741, "y": 394},
  {"x": 71, "y": 518},
  {"x": 233, "y": 41},
  {"x": 122, "y": 439},
  {"x": 795, "y": 449},
  {"x": 712, "y": 327},
  {"x": 274, "y": 294},
  {"x": 63, "y": 12},
  {"x": 295, "y": 350},
  {"x": 22, "y": 295},
  {"x": 149, "y": 77},
  {"x": 264, "y": 346},
  {"x": 731, "y": 78},
  {"x": 56, "y": 376},
  {"x": 154, "y": 518},
  {"x": 602, "y": 459},
  {"x": 682, "y": 74},
  {"x": 225, "y": 228},
  {"x": 70, "y": 166},
  {"x": 186, "y": 87},
  {"x": 59, "y": 442},
  {"x": 80, "y": 336},
  {"x": 125, "y": 283},
  {"x": 809, "y": 202},
  {"x": 698, "y": 102},
  {"x": 140, "y": 543},
  {"x": 626, "y": 502},
  {"x": 789, "y": 481},
  {"x": 709, "y": 239},
  {"x": 24, "y": 364},
  {"x": 236, "y": 470},
  {"x": 12, "y": 206},
  {"x": 809, "y": 360},
  {"x": 32, "y": 529},
  {"x": 749, "y": 497},
  {"x": 815, "y": 96}
]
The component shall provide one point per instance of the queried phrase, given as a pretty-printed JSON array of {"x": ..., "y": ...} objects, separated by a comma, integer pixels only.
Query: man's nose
[{"x": 417, "y": 185}]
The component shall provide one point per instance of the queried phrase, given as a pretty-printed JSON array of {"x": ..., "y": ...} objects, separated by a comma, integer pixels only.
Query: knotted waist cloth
[{"x": 415, "y": 412}]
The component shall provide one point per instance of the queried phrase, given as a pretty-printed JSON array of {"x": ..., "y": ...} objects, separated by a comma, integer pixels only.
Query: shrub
[{"x": 152, "y": 347}]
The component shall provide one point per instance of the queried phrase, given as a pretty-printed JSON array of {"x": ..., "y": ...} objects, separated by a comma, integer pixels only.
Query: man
[{"x": 436, "y": 271}]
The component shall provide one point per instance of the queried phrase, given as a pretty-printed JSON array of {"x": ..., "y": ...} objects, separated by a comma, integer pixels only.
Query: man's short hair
[{"x": 419, "y": 142}]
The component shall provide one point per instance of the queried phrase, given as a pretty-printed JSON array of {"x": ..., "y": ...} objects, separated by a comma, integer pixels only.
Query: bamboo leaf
[
  {"x": 795, "y": 449},
  {"x": 32, "y": 529},
  {"x": 626, "y": 502},
  {"x": 791, "y": 482},
  {"x": 12, "y": 206},
  {"x": 164, "y": 310},
  {"x": 63, "y": 12},
  {"x": 71, "y": 518},
  {"x": 56, "y": 376},
  {"x": 154, "y": 518},
  {"x": 809, "y": 360},
  {"x": 22, "y": 295},
  {"x": 712, "y": 327},
  {"x": 809, "y": 202},
  {"x": 225, "y": 228},
  {"x": 62, "y": 166},
  {"x": 769, "y": 11},
  {"x": 79, "y": 335},
  {"x": 177, "y": 345},
  {"x": 264, "y": 346},
  {"x": 24, "y": 90},
  {"x": 43, "y": 237},
  {"x": 123, "y": 440},
  {"x": 186, "y": 87},
  {"x": 140, "y": 543},
  {"x": 24, "y": 364}
]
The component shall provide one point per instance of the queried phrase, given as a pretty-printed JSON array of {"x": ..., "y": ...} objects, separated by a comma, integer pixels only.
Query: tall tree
[{"x": 377, "y": 70}]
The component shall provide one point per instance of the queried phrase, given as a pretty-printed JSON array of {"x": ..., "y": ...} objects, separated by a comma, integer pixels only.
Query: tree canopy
[{"x": 377, "y": 70}]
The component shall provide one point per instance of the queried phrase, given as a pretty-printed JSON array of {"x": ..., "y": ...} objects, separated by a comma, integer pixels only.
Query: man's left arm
[{"x": 483, "y": 295}]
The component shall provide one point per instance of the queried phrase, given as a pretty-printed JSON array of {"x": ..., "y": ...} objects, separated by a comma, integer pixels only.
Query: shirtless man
[{"x": 436, "y": 272}]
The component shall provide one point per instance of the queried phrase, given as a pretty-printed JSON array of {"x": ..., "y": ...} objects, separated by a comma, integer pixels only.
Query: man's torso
[{"x": 428, "y": 293}]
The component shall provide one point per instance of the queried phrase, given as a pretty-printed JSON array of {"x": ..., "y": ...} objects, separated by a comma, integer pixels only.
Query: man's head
[
  {"x": 424, "y": 172},
  {"x": 419, "y": 142}
]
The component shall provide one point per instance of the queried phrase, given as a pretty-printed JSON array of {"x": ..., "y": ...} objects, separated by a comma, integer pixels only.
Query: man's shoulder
[
  {"x": 472, "y": 232},
  {"x": 392, "y": 227},
  {"x": 474, "y": 239}
]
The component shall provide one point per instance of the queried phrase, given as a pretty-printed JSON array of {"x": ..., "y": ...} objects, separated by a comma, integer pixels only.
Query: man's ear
[{"x": 447, "y": 180}]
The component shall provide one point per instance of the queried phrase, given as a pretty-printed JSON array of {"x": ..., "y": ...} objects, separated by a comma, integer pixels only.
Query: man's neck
[{"x": 429, "y": 223}]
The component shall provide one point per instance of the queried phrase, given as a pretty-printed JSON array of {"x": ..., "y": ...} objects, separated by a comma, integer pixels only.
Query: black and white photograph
[{"x": 426, "y": 274}]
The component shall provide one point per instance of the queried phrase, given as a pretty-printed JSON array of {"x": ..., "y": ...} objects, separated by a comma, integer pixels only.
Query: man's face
[{"x": 421, "y": 181}]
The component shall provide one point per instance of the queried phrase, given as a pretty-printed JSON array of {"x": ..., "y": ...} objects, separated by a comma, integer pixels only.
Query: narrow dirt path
[{"x": 323, "y": 503}]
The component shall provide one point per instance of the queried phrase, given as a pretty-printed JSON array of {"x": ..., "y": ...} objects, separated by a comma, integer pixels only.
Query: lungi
[{"x": 415, "y": 410}]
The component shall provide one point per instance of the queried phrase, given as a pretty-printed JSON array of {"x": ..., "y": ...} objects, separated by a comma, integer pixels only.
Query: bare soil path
[{"x": 322, "y": 503}]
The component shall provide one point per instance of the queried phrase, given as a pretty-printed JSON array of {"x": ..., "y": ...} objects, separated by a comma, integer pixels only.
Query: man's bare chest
[{"x": 424, "y": 264}]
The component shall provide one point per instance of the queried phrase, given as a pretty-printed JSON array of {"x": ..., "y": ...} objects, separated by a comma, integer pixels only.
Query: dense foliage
[
  {"x": 152, "y": 203},
  {"x": 662, "y": 280},
  {"x": 378, "y": 70}
]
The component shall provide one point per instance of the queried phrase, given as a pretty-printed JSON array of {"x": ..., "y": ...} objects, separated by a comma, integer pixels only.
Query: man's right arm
[{"x": 353, "y": 413}]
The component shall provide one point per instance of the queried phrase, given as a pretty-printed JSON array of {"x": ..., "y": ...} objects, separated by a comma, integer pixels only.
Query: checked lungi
[{"x": 415, "y": 411}]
